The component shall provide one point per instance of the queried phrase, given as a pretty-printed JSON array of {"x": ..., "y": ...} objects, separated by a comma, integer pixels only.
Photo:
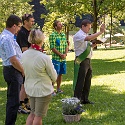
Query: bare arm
[
  {"x": 67, "y": 50},
  {"x": 24, "y": 49},
  {"x": 16, "y": 64},
  {"x": 62, "y": 55},
  {"x": 56, "y": 51},
  {"x": 95, "y": 35}
]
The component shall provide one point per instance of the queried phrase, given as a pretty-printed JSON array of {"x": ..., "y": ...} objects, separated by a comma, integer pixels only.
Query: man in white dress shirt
[{"x": 83, "y": 80}]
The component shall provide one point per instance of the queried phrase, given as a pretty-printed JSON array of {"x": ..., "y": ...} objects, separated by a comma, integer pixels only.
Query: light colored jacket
[{"x": 39, "y": 73}]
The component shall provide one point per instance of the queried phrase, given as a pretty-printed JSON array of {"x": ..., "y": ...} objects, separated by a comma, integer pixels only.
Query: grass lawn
[{"x": 107, "y": 91}]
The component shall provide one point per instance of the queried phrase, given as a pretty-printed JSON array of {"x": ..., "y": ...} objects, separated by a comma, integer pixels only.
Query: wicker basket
[{"x": 72, "y": 118}]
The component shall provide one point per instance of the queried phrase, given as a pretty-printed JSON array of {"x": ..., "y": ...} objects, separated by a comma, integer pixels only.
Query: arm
[
  {"x": 24, "y": 49},
  {"x": 56, "y": 51},
  {"x": 65, "y": 54},
  {"x": 95, "y": 35},
  {"x": 16, "y": 64},
  {"x": 51, "y": 71},
  {"x": 52, "y": 45},
  {"x": 62, "y": 55},
  {"x": 22, "y": 40}
]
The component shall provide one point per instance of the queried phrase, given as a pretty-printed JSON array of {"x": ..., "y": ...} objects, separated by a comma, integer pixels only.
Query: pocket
[{"x": 58, "y": 42}]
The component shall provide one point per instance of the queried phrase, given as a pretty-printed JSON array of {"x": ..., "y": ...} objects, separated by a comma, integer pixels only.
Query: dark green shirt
[{"x": 59, "y": 42}]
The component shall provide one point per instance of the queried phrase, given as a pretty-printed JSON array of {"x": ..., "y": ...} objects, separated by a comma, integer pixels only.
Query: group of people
[{"x": 30, "y": 74}]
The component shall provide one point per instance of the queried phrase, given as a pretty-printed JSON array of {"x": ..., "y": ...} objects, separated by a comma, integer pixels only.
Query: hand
[
  {"x": 102, "y": 28},
  {"x": 94, "y": 45},
  {"x": 68, "y": 42},
  {"x": 63, "y": 56}
]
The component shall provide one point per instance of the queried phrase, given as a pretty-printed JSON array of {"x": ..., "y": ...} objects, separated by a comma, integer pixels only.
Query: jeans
[{"x": 14, "y": 80}]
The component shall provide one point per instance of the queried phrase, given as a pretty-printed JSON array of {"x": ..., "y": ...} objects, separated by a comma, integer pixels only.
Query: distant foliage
[{"x": 8, "y": 7}]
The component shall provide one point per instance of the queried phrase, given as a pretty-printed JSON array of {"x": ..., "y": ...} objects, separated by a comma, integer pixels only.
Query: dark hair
[
  {"x": 55, "y": 23},
  {"x": 12, "y": 19},
  {"x": 85, "y": 22},
  {"x": 26, "y": 17}
]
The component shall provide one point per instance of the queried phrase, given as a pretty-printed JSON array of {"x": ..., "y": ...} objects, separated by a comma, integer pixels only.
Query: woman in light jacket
[{"x": 39, "y": 75}]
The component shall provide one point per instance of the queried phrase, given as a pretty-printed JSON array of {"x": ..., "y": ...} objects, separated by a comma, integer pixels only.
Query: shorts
[
  {"x": 60, "y": 67},
  {"x": 39, "y": 105}
]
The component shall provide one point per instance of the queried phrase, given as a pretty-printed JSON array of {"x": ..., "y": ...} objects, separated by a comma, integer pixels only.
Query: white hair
[{"x": 36, "y": 36}]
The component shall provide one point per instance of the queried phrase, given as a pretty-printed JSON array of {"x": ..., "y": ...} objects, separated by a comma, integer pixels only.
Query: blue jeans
[{"x": 14, "y": 80}]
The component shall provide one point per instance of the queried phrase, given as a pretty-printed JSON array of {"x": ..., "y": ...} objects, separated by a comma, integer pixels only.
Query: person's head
[
  {"x": 13, "y": 23},
  {"x": 36, "y": 36},
  {"x": 86, "y": 25},
  {"x": 57, "y": 25},
  {"x": 28, "y": 20}
]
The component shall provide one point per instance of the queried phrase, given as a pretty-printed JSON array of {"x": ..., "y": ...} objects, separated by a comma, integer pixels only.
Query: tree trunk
[{"x": 95, "y": 18}]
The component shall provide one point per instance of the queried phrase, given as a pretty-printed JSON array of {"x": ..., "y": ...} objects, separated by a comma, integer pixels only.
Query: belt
[
  {"x": 78, "y": 56},
  {"x": 9, "y": 66}
]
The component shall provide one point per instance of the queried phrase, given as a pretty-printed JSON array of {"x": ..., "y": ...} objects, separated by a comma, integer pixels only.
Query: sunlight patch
[
  {"x": 3, "y": 89},
  {"x": 0, "y": 60},
  {"x": 66, "y": 82},
  {"x": 115, "y": 82},
  {"x": 94, "y": 115}
]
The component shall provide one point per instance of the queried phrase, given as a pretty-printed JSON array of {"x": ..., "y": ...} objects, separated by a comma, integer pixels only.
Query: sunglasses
[{"x": 27, "y": 16}]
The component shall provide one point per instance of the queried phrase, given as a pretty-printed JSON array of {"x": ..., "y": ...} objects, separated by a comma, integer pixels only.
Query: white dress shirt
[{"x": 80, "y": 44}]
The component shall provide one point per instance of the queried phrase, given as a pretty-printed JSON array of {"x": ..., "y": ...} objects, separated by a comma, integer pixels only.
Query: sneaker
[
  {"x": 59, "y": 91},
  {"x": 23, "y": 110},
  {"x": 53, "y": 94},
  {"x": 27, "y": 106}
]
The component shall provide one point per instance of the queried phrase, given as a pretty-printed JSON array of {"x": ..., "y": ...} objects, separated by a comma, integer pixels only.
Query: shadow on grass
[
  {"x": 109, "y": 104},
  {"x": 111, "y": 48},
  {"x": 108, "y": 108},
  {"x": 99, "y": 66},
  {"x": 110, "y": 66},
  {"x": 2, "y": 105}
]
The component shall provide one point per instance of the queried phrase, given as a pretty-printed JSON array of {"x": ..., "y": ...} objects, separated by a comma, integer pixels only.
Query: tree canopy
[
  {"x": 8, "y": 7},
  {"x": 67, "y": 10}
]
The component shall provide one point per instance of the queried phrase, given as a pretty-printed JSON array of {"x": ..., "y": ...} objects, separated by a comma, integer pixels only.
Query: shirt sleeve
[
  {"x": 66, "y": 44},
  {"x": 52, "y": 41},
  {"x": 50, "y": 70},
  {"x": 79, "y": 37},
  {"x": 22, "y": 40}
]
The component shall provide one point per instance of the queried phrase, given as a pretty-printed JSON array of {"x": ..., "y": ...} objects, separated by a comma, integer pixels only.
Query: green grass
[{"x": 107, "y": 91}]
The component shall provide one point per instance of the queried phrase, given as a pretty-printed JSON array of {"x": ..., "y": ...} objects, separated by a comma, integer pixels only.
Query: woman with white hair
[{"x": 39, "y": 75}]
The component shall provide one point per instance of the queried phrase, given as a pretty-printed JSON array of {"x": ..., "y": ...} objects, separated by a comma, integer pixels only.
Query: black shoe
[{"x": 87, "y": 102}]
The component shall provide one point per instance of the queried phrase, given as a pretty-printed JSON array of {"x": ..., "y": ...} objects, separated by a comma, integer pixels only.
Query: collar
[
  {"x": 8, "y": 32},
  {"x": 58, "y": 33},
  {"x": 36, "y": 47}
]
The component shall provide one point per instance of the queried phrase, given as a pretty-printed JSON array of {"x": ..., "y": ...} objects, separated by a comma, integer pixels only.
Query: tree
[
  {"x": 97, "y": 8},
  {"x": 18, "y": 7},
  {"x": 67, "y": 10}
]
